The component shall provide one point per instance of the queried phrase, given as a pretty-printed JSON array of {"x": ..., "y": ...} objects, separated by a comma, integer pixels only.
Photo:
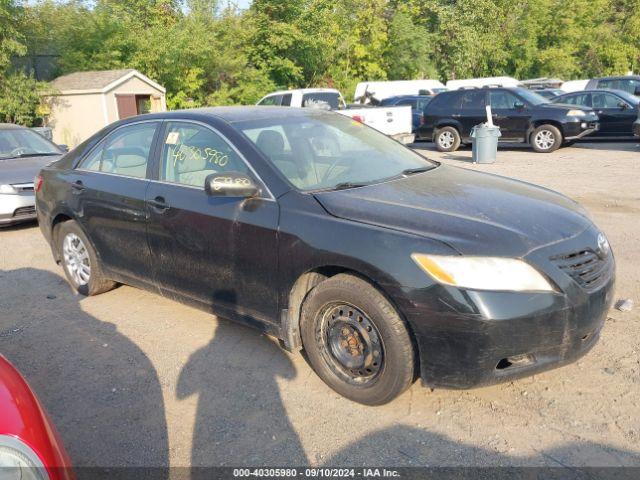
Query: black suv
[{"x": 522, "y": 115}]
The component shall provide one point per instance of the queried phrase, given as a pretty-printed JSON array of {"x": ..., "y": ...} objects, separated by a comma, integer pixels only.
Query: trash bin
[{"x": 485, "y": 143}]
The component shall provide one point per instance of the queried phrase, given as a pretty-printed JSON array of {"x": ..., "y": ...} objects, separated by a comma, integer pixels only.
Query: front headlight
[
  {"x": 19, "y": 462},
  {"x": 483, "y": 273},
  {"x": 576, "y": 113},
  {"x": 8, "y": 190}
]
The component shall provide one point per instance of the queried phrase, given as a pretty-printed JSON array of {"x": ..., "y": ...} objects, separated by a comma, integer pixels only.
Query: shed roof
[{"x": 99, "y": 81}]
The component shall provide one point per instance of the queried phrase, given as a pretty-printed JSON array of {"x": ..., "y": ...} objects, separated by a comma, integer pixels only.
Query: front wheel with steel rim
[
  {"x": 546, "y": 139},
  {"x": 80, "y": 262},
  {"x": 447, "y": 139},
  {"x": 356, "y": 341}
]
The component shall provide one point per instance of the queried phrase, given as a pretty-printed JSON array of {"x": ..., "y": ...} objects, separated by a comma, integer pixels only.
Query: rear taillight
[
  {"x": 37, "y": 183},
  {"x": 358, "y": 118},
  {"x": 421, "y": 119}
]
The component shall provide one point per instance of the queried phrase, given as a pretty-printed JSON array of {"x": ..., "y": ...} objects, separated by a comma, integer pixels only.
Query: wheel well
[
  {"x": 60, "y": 218},
  {"x": 539, "y": 123},
  {"x": 291, "y": 337},
  {"x": 446, "y": 124}
]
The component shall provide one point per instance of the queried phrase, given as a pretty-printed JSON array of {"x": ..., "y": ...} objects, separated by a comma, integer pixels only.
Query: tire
[
  {"x": 447, "y": 139},
  {"x": 546, "y": 139},
  {"x": 79, "y": 260},
  {"x": 356, "y": 342}
]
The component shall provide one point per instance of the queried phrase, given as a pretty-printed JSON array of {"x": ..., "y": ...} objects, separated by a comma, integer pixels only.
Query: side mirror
[
  {"x": 230, "y": 184},
  {"x": 623, "y": 105},
  {"x": 64, "y": 148},
  {"x": 518, "y": 105}
]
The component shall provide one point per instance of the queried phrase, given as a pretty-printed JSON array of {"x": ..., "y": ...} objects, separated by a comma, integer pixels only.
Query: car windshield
[
  {"x": 631, "y": 99},
  {"x": 532, "y": 97},
  {"x": 22, "y": 142},
  {"x": 326, "y": 151}
]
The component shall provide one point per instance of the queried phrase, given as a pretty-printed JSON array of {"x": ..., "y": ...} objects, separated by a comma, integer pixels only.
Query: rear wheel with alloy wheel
[
  {"x": 79, "y": 260},
  {"x": 356, "y": 341},
  {"x": 447, "y": 139}
]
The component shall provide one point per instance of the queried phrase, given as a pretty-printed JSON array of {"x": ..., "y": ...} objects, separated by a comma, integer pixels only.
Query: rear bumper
[{"x": 17, "y": 208}]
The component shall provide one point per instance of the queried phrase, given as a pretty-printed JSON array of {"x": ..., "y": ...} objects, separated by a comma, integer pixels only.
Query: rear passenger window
[
  {"x": 191, "y": 152},
  {"x": 473, "y": 99},
  {"x": 124, "y": 151},
  {"x": 581, "y": 99}
]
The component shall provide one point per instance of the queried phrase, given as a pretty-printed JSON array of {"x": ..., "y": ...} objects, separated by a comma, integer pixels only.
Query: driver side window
[{"x": 191, "y": 152}]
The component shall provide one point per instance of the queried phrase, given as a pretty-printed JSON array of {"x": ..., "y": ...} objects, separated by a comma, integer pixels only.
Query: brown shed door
[{"x": 127, "y": 106}]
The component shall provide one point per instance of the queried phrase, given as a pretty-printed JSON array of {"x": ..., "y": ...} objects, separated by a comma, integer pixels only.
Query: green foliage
[
  {"x": 20, "y": 99},
  {"x": 207, "y": 55}
]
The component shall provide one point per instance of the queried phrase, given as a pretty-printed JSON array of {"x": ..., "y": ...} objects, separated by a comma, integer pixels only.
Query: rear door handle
[
  {"x": 456, "y": 115},
  {"x": 159, "y": 204},
  {"x": 78, "y": 186}
]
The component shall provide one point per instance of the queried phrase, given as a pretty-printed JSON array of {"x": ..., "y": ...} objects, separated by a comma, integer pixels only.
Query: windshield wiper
[
  {"x": 345, "y": 185},
  {"x": 41, "y": 154},
  {"x": 411, "y": 171},
  {"x": 27, "y": 155}
]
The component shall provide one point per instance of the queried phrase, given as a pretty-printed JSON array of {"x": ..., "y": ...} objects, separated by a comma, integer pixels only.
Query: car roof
[
  {"x": 619, "y": 93},
  {"x": 409, "y": 96},
  {"x": 618, "y": 77},
  {"x": 11, "y": 126},
  {"x": 234, "y": 114},
  {"x": 303, "y": 91}
]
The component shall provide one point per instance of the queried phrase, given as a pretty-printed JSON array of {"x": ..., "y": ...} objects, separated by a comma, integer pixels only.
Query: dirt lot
[{"x": 131, "y": 378}]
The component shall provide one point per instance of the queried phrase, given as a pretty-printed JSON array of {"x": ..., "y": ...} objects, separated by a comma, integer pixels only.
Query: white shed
[{"x": 85, "y": 102}]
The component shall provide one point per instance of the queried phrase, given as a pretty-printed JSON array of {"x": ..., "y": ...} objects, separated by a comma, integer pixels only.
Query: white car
[
  {"x": 23, "y": 153},
  {"x": 395, "y": 122}
]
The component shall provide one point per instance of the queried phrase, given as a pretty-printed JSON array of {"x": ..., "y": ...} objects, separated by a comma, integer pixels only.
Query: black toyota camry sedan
[{"x": 382, "y": 265}]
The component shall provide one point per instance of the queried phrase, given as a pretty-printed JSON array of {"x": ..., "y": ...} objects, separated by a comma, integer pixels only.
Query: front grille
[
  {"x": 24, "y": 211},
  {"x": 586, "y": 267}
]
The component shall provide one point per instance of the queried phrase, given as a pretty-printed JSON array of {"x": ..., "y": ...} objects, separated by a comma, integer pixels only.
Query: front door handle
[
  {"x": 78, "y": 186},
  {"x": 159, "y": 204}
]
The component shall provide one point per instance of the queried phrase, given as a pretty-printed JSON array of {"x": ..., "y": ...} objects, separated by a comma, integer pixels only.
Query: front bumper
[
  {"x": 468, "y": 338},
  {"x": 577, "y": 130},
  {"x": 17, "y": 208}
]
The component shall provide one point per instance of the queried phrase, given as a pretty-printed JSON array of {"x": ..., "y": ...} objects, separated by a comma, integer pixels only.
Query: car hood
[
  {"x": 474, "y": 213},
  {"x": 566, "y": 106},
  {"x": 23, "y": 170}
]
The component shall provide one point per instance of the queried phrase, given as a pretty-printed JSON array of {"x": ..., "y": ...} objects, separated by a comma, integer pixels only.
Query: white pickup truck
[{"x": 392, "y": 121}]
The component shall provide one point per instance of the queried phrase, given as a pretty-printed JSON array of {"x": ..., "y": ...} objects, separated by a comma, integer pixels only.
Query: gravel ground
[{"x": 130, "y": 378}]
